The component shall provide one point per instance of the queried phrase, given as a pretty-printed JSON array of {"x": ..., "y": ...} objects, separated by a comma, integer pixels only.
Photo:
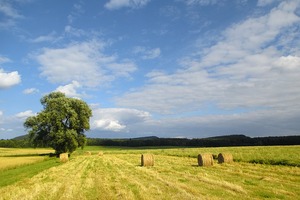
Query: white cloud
[
  {"x": 146, "y": 53},
  {"x": 45, "y": 38},
  {"x": 117, "y": 119},
  {"x": 246, "y": 69},
  {"x": 12, "y": 126},
  {"x": 108, "y": 125},
  {"x": 9, "y": 79},
  {"x": 117, "y": 4},
  {"x": 30, "y": 91},
  {"x": 82, "y": 62},
  {"x": 9, "y": 15},
  {"x": 8, "y": 10},
  {"x": 70, "y": 89},
  {"x": 266, "y": 2},
  {"x": 288, "y": 63},
  {"x": 25, "y": 114}
]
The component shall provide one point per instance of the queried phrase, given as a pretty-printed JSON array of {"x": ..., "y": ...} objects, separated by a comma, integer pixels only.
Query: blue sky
[{"x": 172, "y": 68}]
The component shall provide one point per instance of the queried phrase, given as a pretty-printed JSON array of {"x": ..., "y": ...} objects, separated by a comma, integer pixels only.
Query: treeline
[
  {"x": 222, "y": 141},
  {"x": 13, "y": 143}
]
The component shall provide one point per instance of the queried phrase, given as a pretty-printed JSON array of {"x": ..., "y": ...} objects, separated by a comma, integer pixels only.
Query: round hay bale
[
  {"x": 205, "y": 160},
  {"x": 64, "y": 157},
  {"x": 88, "y": 153},
  {"x": 100, "y": 153},
  {"x": 225, "y": 158},
  {"x": 147, "y": 160}
]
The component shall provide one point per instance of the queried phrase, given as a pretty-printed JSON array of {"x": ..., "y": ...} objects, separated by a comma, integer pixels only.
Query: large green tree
[{"x": 61, "y": 124}]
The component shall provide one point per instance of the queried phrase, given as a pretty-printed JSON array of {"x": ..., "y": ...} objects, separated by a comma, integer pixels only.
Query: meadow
[{"x": 118, "y": 174}]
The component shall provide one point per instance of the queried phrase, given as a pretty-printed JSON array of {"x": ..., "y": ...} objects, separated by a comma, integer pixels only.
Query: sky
[{"x": 171, "y": 68}]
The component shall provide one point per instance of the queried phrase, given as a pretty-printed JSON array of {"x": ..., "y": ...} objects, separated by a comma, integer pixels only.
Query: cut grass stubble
[{"x": 117, "y": 174}]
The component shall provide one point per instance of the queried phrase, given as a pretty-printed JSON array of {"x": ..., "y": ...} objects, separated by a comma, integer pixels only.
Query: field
[
  {"x": 118, "y": 174},
  {"x": 12, "y": 157}
]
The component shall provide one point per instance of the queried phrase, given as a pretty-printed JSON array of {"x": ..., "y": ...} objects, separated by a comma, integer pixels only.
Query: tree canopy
[{"x": 61, "y": 124}]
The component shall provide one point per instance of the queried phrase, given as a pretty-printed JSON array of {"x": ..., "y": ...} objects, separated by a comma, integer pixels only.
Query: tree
[{"x": 61, "y": 124}]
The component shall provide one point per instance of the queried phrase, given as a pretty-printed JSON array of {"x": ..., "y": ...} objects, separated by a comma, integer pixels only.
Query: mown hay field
[
  {"x": 24, "y": 151},
  {"x": 14, "y": 157},
  {"x": 118, "y": 174}
]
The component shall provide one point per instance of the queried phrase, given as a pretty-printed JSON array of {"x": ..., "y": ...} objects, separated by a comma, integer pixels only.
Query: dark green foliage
[
  {"x": 61, "y": 124},
  {"x": 222, "y": 141},
  {"x": 274, "y": 162},
  {"x": 14, "y": 143}
]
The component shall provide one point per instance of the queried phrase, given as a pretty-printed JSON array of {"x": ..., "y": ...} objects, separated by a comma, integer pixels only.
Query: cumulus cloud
[
  {"x": 9, "y": 79},
  {"x": 82, "y": 62},
  {"x": 247, "y": 69},
  {"x": 117, "y": 4},
  {"x": 117, "y": 119},
  {"x": 288, "y": 63},
  {"x": 70, "y": 89},
  {"x": 108, "y": 125},
  {"x": 25, "y": 114}
]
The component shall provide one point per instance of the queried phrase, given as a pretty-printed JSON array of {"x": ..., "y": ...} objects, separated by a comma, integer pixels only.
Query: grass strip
[{"x": 10, "y": 176}]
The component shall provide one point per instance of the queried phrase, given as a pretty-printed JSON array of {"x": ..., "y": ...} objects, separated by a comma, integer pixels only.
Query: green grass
[{"x": 11, "y": 176}]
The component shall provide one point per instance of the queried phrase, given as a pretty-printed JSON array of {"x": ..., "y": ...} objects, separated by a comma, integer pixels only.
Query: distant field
[
  {"x": 24, "y": 151},
  {"x": 14, "y": 157},
  {"x": 118, "y": 175},
  {"x": 286, "y": 155}
]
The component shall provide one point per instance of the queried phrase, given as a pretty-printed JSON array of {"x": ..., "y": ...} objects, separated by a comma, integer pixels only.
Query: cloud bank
[{"x": 84, "y": 63}]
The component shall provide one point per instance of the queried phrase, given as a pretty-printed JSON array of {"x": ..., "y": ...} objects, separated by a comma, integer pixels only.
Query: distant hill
[
  {"x": 226, "y": 137},
  {"x": 146, "y": 138},
  {"x": 22, "y": 137}
]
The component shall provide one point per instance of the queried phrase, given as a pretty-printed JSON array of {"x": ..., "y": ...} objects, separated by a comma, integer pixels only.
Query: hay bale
[
  {"x": 64, "y": 157},
  {"x": 88, "y": 153},
  {"x": 225, "y": 158},
  {"x": 100, "y": 153},
  {"x": 205, "y": 160},
  {"x": 147, "y": 160}
]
